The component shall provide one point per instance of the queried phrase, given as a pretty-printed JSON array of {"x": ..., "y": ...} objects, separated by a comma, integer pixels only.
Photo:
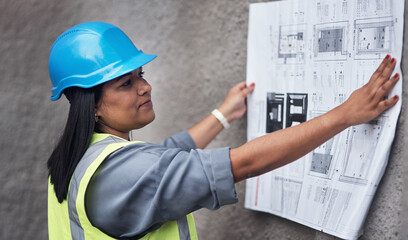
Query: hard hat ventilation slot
[{"x": 69, "y": 32}]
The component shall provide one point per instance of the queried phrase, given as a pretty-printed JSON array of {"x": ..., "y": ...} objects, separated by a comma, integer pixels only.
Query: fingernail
[
  {"x": 395, "y": 97},
  {"x": 388, "y": 56},
  {"x": 393, "y": 60},
  {"x": 396, "y": 75},
  {"x": 252, "y": 84}
]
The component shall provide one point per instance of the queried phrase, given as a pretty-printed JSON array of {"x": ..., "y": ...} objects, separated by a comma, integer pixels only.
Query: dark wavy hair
[{"x": 75, "y": 139}]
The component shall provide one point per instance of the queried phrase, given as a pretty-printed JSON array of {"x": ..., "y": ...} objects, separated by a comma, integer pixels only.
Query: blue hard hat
[{"x": 92, "y": 53}]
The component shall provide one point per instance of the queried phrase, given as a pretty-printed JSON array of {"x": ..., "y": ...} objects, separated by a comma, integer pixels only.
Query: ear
[
  {"x": 97, "y": 112},
  {"x": 97, "y": 109}
]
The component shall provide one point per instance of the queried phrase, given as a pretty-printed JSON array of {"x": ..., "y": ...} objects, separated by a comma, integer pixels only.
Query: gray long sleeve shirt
[{"x": 141, "y": 186}]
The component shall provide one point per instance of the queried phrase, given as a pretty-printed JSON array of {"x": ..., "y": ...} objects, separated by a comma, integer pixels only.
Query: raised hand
[
  {"x": 367, "y": 102},
  {"x": 234, "y": 105}
]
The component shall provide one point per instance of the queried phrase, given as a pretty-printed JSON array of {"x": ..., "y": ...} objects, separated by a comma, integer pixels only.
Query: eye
[
  {"x": 141, "y": 73},
  {"x": 127, "y": 83}
]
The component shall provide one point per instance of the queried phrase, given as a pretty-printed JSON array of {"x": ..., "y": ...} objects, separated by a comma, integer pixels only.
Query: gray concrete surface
[{"x": 202, "y": 53}]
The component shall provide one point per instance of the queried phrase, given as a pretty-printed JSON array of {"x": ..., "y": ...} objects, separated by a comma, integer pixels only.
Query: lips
[{"x": 148, "y": 103}]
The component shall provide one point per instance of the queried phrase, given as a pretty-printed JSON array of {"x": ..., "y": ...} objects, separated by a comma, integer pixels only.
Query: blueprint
[{"x": 307, "y": 57}]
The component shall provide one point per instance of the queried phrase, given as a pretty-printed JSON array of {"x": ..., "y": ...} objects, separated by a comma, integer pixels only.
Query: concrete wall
[{"x": 202, "y": 53}]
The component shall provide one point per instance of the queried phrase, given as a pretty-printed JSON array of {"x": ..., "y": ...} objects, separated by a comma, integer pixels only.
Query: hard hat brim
[{"x": 103, "y": 75}]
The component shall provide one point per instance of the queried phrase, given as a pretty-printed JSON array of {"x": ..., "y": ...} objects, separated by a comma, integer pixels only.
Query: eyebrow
[{"x": 124, "y": 75}]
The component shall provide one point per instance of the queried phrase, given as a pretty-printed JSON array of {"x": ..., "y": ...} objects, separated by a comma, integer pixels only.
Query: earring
[{"x": 96, "y": 118}]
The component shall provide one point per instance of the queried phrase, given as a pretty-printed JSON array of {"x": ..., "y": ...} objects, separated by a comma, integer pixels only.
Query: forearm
[
  {"x": 205, "y": 131},
  {"x": 282, "y": 147}
]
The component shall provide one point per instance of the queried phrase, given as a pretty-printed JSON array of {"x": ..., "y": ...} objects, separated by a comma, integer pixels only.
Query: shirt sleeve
[
  {"x": 141, "y": 186},
  {"x": 181, "y": 140}
]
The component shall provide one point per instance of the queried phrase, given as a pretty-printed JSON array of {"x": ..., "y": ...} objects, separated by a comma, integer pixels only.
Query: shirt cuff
[{"x": 223, "y": 178}]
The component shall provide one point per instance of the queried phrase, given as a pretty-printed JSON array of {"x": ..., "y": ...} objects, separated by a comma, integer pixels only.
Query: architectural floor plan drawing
[
  {"x": 306, "y": 58},
  {"x": 292, "y": 43},
  {"x": 373, "y": 37},
  {"x": 330, "y": 41},
  {"x": 322, "y": 157},
  {"x": 360, "y": 150}
]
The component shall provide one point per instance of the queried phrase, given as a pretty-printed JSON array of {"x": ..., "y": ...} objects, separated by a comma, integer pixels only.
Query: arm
[
  {"x": 282, "y": 147},
  {"x": 149, "y": 184},
  {"x": 232, "y": 108},
  {"x": 181, "y": 140}
]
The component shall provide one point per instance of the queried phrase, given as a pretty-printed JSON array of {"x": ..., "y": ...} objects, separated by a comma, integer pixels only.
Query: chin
[
  {"x": 146, "y": 122},
  {"x": 151, "y": 117}
]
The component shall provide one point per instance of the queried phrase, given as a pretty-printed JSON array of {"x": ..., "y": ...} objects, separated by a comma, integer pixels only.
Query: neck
[{"x": 106, "y": 129}]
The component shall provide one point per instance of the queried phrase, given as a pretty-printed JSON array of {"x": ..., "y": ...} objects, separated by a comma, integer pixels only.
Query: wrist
[
  {"x": 226, "y": 113},
  {"x": 221, "y": 118},
  {"x": 337, "y": 119}
]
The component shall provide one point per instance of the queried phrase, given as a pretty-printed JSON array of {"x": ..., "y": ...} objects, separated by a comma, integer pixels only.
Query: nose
[{"x": 144, "y": 87}]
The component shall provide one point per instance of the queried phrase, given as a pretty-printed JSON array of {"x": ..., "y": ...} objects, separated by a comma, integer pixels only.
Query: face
[{"x": 125, "y": 104}]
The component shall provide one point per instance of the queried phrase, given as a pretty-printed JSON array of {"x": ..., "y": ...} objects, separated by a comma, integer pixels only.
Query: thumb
[{"x": 248, "y": 90}]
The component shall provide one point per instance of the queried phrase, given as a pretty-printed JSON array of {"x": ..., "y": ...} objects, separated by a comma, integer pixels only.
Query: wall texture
[{"x": 202, "y": 53}]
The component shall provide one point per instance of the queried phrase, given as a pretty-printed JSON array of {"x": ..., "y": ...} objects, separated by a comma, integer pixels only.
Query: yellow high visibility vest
[{"x": 68, "y": 220}]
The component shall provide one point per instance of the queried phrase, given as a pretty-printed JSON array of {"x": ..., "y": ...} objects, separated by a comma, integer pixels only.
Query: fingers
[
  {"x": 383, "y": 90},
  {"x": 386, "y": 104},
  {"x": 389, "y": 68},
  {"x": 240, "y": 85},
  {"x": 388, "y": 85},
  {"x": 383, "y": 72},
  {"x": 248, "y": 90},
  {"x": 380, "y": 68}
]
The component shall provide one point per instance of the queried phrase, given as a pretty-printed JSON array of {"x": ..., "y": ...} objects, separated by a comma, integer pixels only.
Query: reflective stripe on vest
[{"x": 68, "y": 220}]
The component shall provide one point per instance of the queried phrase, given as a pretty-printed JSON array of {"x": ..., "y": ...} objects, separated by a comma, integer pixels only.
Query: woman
[{"x": 103, "y": 186}]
